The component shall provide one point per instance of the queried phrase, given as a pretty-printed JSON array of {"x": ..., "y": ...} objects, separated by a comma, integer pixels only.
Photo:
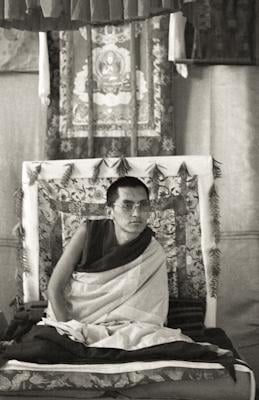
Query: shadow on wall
[
  {"x": 22, "y": 134},
  {"x": 216, "y": 111},
  {"x": 192, "y": 111}
]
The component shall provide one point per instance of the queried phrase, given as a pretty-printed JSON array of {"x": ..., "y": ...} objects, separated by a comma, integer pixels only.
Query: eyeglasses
[{"x": 129, "y": 206}]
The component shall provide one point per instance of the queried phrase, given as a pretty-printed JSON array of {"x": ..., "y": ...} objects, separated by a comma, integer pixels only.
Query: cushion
[{"x": 188, "y": 315}]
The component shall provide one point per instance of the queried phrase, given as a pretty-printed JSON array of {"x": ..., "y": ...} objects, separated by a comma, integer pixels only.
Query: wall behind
[
  {"x": 217, "y": 113},
  {"x": 22, "y": 133}
]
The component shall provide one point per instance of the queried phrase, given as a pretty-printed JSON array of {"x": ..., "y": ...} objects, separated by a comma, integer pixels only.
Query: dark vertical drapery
[{"x": 222, "y": 32}]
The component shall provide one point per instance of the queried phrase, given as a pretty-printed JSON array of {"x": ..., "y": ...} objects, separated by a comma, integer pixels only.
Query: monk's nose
[{"x": 136, "y": 210}]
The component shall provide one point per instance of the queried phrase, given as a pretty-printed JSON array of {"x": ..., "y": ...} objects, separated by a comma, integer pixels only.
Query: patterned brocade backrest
[{"x": 58, "y": 195}]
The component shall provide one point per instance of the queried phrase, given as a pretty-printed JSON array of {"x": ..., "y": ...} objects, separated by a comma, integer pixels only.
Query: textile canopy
[{"x": 44, "y": 15}]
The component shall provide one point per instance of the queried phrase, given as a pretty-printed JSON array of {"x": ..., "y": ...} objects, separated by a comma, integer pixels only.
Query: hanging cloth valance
[{"x": 47, "y": 15}]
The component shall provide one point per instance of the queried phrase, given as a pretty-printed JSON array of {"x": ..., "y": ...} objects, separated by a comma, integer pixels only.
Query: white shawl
[{"x": 125, "y": 307}]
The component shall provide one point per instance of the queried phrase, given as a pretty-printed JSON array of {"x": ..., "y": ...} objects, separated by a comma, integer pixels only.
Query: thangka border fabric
[
  {"x": 55, "y": 378},
  {"x": 181, "y": 197},
  {"x": 119, "y": 112}
]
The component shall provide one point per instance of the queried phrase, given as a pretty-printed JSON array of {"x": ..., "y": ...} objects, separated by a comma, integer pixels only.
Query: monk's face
[{"x": 130, "y": 213}]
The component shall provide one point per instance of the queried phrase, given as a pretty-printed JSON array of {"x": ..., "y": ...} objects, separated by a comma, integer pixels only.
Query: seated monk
[
  {"x": 108, "y": 295},
  {"x": 110, "y": 284}
]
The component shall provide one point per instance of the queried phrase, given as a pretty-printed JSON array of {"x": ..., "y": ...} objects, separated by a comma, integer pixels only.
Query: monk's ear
[{"x": 109, "y": 212}]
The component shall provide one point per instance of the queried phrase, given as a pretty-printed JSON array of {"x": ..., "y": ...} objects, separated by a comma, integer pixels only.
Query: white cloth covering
[
  {"x": 44, "y": 70},
  {"x": 123, "y": 308},
  {"x": 176, "y": 42}
]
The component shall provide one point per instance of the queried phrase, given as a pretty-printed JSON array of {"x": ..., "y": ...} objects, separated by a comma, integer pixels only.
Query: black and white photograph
[{"x": 129, "y": 226}]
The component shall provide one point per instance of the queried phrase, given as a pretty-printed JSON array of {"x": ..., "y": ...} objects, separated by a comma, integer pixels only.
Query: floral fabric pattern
[
  {"x": 13, "y": 381},
  {"x": 106, "y": 54},
  {"x": 175, "y": 219}
]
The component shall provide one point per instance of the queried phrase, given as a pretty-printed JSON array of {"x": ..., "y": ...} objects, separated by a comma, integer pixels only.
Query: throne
[{"x": 55, "y": 196}]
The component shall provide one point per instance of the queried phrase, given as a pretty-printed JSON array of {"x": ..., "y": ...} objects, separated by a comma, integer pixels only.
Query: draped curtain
[
  {"x": 44, "y": 15},
  {"x": 216, "y": 32}
]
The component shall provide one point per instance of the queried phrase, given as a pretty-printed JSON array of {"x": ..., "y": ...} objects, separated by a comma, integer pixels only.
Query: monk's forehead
[{"x": 132, "y": 193}]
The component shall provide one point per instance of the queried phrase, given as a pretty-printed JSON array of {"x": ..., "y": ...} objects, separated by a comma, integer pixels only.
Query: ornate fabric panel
[
  {"x": 57, "y": 195},
  {"x": 23, "y": 380},
  {"x": 111, "y": 92},
  {"x": 175, "y": 220}
]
